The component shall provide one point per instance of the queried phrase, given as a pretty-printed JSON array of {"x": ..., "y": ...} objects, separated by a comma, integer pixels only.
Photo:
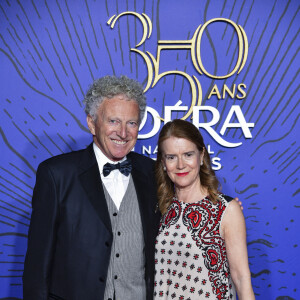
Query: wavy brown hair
[{"x": 186, "y": 130}]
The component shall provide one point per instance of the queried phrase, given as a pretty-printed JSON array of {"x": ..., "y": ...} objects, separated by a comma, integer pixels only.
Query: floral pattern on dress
[{"x": 191, "y": 256}]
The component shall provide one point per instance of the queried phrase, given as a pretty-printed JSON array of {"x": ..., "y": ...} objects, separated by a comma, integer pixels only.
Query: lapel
[{"x": 92, "y": 184}]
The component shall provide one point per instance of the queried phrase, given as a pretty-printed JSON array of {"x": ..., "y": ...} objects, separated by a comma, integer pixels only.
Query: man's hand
[{"x": 239, "y": 202}]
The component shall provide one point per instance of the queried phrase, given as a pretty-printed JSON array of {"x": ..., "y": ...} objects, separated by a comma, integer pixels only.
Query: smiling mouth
[
  {"x": 182, "y": 174},
  {"x": 118, "y": 142}
]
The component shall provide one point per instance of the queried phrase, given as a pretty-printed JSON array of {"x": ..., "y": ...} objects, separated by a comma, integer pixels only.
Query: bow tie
[{"x": 124, "y": 167}]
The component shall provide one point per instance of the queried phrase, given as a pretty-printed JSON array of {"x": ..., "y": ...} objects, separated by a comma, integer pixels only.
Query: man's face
[{"x": 116, "y": 129}]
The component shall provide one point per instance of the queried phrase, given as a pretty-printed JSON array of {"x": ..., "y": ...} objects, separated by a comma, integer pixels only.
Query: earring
[
  {"x": 165, "y": 168},
  {"x": 201, "y": 164}
]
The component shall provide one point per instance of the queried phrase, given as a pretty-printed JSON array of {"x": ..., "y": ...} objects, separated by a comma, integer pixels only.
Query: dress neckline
[{"x": 196, "y": 202}]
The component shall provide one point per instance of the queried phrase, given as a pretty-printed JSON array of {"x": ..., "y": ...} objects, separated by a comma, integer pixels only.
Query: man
[{"x": 94, "y": 223}]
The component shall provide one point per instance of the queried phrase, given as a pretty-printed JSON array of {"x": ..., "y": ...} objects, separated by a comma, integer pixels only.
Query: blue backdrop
[{"x": 50, "y": 51}]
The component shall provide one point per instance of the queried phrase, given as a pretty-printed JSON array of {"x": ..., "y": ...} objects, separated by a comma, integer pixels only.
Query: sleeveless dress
[{"x": 190, "y": 255}]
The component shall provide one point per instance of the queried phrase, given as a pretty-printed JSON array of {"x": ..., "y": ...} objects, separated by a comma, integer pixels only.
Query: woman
[{"x": 201, "y": 247}]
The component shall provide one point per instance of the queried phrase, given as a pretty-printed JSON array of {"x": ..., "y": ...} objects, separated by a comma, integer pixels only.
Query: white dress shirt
[{"x": 116, "y": 183}]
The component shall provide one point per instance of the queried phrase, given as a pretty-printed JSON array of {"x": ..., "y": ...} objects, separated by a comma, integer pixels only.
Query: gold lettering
[
  {"x": 193, "y": 45},
  {"x": 214, "y": 91},
  {"x": 229, "y": 92},
  {"x": 143, "y": 18},
  {"x": 243, "y": 48},
  {"x": 240, "y": 89}
]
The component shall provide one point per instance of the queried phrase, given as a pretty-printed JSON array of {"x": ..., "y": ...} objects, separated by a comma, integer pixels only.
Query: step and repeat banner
[{"x": 230, "y": 67}]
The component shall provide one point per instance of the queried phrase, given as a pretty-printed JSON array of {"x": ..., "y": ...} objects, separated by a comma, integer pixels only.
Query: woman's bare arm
[{"x": 233, "y": 229}]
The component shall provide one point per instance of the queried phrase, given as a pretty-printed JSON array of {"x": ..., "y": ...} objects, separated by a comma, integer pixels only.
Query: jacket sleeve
[{"x": 41, "y": 236}]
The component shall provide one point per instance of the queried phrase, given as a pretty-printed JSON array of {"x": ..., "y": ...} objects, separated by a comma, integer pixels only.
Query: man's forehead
[{"x": 120, "y": 106}]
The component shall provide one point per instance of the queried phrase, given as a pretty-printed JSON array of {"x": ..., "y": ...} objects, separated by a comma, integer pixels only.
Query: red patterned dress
[{"x": 190, "y": 260}]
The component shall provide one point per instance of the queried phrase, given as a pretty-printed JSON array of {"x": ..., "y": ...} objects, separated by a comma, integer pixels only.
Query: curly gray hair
[{"x": 110, "y": 86}]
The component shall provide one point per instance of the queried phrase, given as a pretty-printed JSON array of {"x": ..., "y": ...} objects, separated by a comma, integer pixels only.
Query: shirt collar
[{"x": 102, "y": 159}]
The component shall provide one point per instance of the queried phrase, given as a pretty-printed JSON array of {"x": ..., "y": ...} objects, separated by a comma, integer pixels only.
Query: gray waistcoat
[{"x": 126, "y": 271}]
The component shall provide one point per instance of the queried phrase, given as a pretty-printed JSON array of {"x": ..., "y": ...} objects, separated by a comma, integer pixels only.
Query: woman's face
[{"x": 182, "y": 161}]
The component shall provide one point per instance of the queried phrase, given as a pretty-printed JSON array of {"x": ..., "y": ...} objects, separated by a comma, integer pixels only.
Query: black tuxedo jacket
[{"x": 70, "y": 235}]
